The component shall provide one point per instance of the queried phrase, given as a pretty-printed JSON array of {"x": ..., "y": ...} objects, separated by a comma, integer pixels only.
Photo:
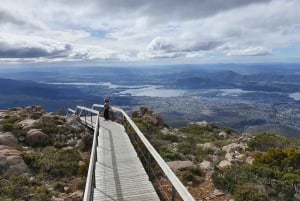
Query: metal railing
[
  {"x": 177, "y": 186},
  {"x": 90, "y": 180}
]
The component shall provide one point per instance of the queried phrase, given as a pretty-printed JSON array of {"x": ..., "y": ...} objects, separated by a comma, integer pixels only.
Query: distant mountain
[
  {"x": 30, "y": 88},
  {"x": 285, "y": 83},
  {"x": 200, "y": 83},
  {"x": 23, "y": 92}
]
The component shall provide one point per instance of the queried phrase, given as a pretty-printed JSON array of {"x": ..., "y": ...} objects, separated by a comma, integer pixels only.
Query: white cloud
[
  {"x": 130, "y": 30},
  {"x": 249, "y": 51}
]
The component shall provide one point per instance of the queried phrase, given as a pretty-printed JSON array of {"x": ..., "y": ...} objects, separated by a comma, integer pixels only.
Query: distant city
[{"x": 246, "y": 97}]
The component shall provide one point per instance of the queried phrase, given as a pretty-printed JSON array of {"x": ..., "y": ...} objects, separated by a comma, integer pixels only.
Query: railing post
[
  {"x": 149, "y": 164},
  {"x": 92, "y": 120},
  {"x": 173, "y": 193}
]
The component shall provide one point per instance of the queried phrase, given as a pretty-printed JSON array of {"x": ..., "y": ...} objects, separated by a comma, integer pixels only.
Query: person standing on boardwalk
[{"x": 106, "y": 109}]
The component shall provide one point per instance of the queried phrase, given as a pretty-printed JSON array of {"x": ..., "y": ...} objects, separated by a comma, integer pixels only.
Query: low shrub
[
  {"x": 249, "y": 192},
  {"x": 81, "y": 184},
  {"x": 59, "y": 186},
  {"x": 193, "y": 175}
]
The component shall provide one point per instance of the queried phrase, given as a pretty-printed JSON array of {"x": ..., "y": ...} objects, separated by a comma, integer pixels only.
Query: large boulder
[
  {"x": 223, "y": 134},
  {"x": 179, "y": 165},
  {"x": 11, "y": 162},
  {"x": 8, "y": 139},
  {"x": 74, "y": 122},
  {"x": 36, "y": 137},
  {"x": 234, "y": 147},
  {"x": 208, "y": 146},
  {"x": 206, "y": 165},
  {"x": 27, "y": 123},
  {"x": 224, "y": 163}
]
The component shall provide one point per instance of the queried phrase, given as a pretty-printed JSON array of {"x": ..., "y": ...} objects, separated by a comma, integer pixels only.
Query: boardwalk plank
[{"x": 119, "y": 173}]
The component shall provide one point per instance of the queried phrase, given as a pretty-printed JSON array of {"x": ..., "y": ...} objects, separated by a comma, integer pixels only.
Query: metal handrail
[
  {"x": 179, "y": 187},
  {"x": 93, "y": 158}
]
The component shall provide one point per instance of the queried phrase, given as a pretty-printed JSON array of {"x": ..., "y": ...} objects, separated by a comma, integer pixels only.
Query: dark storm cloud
[
  {"x": 203, "y": 46},
  {"x": 9, "y": 51},
  {"x": 176, "y": 9},
  {"x": 164, "y": 45},
  {"x": 6, "y": 17}
]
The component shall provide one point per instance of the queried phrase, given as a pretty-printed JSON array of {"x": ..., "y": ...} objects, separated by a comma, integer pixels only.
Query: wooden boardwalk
[{"x": 119, "y": 174}]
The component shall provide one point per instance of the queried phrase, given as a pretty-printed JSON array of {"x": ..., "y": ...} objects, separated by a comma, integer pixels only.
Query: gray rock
[
  {"x": 208, "y": 146},
  {"x": 206, "y": 165},
  {"x": 297, "y": 196},
  {"x": 36, "y": 137},
  {"x": 250, "y": 160},
  {"x": 218, "y": 192},
  {"x": 27, "y": 123},
  {"x": 178, "y": 165},
  {"x": 224, "y": 164},
  {"x": 11, "y": 162},
  {"x": 72, "y": 143},
  {"x": 8, "y": 139},
  {"x": 223, "y": 134},
  {"x": 233, "y": 147}
]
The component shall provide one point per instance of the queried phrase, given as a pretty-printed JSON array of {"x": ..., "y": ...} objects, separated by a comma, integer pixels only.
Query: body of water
[
  {"x": 295, "y": 96},
  {"x": 153, "y": 91}
]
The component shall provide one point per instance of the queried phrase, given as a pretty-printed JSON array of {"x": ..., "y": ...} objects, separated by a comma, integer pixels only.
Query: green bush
[
  {"x": 170, "y": 137},
  {"x": 171, "y": 156},
  {"x": 41, "y": 194},
  {"x": 249, "y": 192},
  {"x": 59, "y": 163},
  {"x": 193, "y": 175},
  {"x": 7, "y": 127},
  {"x": 81, "y": 184},
  {"x": 185, "y": 148},
  {"x": 264, "y": 141},
  {"x": 15, "y": 187},
  {"x": 32, "y": 160},
  {"x": 86, "y": 143},
  {"x": 53, "y": 162},
  {"x": 59, "y": 186}
]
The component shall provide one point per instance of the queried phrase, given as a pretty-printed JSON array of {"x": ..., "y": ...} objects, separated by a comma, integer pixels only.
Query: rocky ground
[
  {"x": 232, "y": 150},
  {"x": 25, "y": 134},
  {"x": 45, "y": 156}
]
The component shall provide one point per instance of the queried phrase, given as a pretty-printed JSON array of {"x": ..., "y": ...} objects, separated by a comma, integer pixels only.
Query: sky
[{"x": 121, "y": 32}]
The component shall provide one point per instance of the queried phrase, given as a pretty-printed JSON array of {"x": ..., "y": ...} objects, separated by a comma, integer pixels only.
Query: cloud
[
  {"x": 161, "y": 47},
  {"x": 172, "y": 9},
  {"x": 130, "y": 30},
  {"x": 21, "y": 51},
  {"x": 8, "y": 18},
  {"x": 249, "y": 51}
]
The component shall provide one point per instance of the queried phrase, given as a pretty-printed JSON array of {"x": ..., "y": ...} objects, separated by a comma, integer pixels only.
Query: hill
[
  {"x": 23, "y": 92},
  {"x": 220, "y": 164},
  {"x": 45, "y": 156}
]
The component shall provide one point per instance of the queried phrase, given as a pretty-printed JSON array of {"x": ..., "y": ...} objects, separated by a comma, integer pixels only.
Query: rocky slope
[
  {"x": 220, "y": 164},
  {"x": 43, "y": 156}
]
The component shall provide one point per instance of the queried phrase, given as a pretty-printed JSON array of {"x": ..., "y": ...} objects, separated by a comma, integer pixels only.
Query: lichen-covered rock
[
  {"x": 27, "y": 123},
  {"x": 224, "y": 163},
  {"x": 179, "y": 165},
  {"x": 206, "y": 165},
  {"x": 208, "y": 146},
  {"x": 8, "y": 139},
  {"x": 36, "y": 137},
  {"x": 233, "y": 147},
  {"x": 249, "y": 160},
  {"x": 11, "y": 162},
  {"x": 223, "y": 134}
]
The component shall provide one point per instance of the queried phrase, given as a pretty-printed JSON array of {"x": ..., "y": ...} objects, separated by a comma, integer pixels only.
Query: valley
[{"x": 247, "y": 98}]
